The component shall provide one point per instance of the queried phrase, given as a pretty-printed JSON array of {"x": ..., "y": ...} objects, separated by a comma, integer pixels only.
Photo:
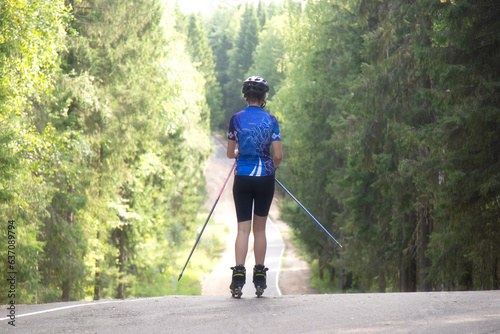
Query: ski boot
[
  {"x": 259, "y": 279},
  {"x": 239, "y": 279}
]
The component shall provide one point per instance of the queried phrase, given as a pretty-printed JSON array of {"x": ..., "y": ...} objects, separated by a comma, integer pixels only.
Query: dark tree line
[{"x": 391, "y": 128}]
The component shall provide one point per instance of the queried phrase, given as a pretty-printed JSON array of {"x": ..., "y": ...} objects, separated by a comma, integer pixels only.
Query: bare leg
[
  {"x": 260, "y": 241},
  {"x": 241, "y": 245}
]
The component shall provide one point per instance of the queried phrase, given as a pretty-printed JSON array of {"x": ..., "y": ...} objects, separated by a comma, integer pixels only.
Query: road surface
[{"x": 436, "y": 312}]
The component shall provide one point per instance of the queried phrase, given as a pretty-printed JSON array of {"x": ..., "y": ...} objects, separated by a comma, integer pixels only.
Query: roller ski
[
  {"x": 259, "y": 279},
  {"x": 238, "y": 281}
]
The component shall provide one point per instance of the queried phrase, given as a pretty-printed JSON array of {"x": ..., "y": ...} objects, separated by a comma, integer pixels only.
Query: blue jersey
[{"x": 254, "y": 129}]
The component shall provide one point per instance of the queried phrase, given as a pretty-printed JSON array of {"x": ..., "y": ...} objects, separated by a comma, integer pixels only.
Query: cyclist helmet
[{"x": 255, "y": 87}]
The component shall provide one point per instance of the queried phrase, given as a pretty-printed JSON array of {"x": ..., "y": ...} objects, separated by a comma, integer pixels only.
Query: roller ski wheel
[
  {"x": 238, "y": 281},
  {"x": 259, "y": 291},
  {"x": 236, "y": 291},
  {"x": 259, "y": 279}
]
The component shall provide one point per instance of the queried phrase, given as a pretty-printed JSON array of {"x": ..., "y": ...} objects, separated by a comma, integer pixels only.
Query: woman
[{"x": 252, "y": 131}]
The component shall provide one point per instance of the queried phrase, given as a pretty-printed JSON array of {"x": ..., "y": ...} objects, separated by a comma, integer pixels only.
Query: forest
[{"x": 389, "y": 114}]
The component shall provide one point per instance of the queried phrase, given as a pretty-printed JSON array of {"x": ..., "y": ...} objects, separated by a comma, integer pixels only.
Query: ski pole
[
  {"x": 206, "y": 222},
  {"x": 310, "y": 215}
]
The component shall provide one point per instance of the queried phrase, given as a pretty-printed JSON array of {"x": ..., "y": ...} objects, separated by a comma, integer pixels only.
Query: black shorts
[{"x": 256, "y": 190}]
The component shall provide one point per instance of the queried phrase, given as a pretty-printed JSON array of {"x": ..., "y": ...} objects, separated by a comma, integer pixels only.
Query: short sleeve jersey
[{"x": 254, "y": 129}]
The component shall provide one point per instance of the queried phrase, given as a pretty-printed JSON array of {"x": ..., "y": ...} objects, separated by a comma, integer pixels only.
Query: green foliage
[
  {"x": 389, "y": 117},
  {"x": 268, "y": 59},
  {"x": 240, "y": 60},
  {"x": 234, "y": 34},
  {"x": 103, "y": 168},
  {"x": 222, "y": 28},
  {"x": 201, "y": 53},
  {"x": 31, "y": 35},
  {"x": 310, "y": 102},
  {"x": 466, "y": 98}
]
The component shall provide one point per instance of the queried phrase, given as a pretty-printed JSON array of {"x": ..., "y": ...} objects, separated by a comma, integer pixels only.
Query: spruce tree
[
  {"x": 240, "y": 60},
  {"x": 199, "y": 48},
  {"x": 463, "y": 70},
  {"x": 319, "y": 65}
]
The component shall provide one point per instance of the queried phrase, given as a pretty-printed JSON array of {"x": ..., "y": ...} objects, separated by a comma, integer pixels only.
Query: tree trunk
[
  {"x": 66, "y": 285},
  {"x": 424, "y": 231},
  {"x": 496, "y": 275},
  {"x": 331, "y": 270},
  {"x": 348, "y": 281},
  {"x": 321, "y": 267},
  {"x": 408, "y": 275},
  {"x": 341, "y": 277},
  {"x": 97, "y": 284},
  {"x": 121, "y": 263},
  {"x": 97, "y": 278},
  {"x": 66, "y": 288},
  {"x": 381, "y": 281},
  {"x": 341, "y": 266}
]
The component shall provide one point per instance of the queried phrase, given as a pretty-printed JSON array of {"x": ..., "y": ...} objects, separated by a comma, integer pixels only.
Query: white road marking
[
  {"x": 280, "y": 262},
  {"x": 75, "y": 306}
]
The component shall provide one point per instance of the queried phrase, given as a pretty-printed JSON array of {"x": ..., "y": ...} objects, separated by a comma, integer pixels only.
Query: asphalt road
[{"x": 438, "y": 312}]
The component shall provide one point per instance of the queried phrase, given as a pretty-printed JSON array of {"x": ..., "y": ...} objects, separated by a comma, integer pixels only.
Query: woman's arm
[
  {"x": 232, "y": 152},
  {"x": 278, "y": 153}
]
